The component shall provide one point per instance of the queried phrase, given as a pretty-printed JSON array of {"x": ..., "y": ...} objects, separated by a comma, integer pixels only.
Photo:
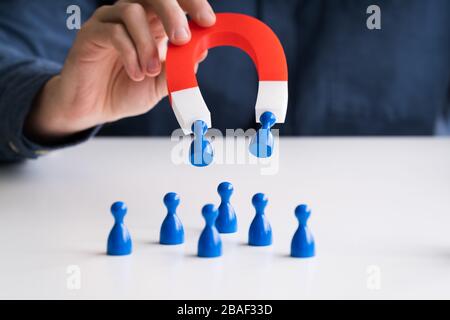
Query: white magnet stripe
[
  {"x": 189, "y": 106},
  {"x": 273, "y": 97}
]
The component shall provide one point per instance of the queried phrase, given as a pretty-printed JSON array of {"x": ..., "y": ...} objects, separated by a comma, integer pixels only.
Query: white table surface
[{"x": 380, "y": 214}]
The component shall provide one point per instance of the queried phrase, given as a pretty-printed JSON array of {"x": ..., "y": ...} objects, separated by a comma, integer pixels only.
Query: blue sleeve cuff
[
  {"x": 35, "y": 150},
  {"x": 19, "y": 85}
]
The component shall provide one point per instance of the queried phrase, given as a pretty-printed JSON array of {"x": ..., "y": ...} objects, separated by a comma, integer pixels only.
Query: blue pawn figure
[
  {"x": 262, "y": 143},
  {"x": 302, "y": 245},
  {"x": 260, "y": 233},
  {"x": 209, "y": 244},
  {"x": 201, "y": 151},
  {"x": 119, "y": 241},
  {"x": 172, "y": 231},
  {"x": 226, "y": 221}
]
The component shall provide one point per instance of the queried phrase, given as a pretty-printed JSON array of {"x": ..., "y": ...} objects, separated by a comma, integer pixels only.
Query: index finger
[
  {"x": 200, "y": 11},
  {"x": 173, "y": 19}
]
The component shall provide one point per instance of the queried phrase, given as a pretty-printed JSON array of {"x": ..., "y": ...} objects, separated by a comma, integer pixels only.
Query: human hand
[{"x": 115, "y": 68}]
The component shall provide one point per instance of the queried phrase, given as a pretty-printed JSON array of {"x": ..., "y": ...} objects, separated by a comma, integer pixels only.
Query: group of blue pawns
[
  {"x": 223, "y": 219},
  {"x": 218, "y": 220}
]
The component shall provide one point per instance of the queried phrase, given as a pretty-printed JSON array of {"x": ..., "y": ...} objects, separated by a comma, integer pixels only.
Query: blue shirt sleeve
[{"x": 25, "y": 66}]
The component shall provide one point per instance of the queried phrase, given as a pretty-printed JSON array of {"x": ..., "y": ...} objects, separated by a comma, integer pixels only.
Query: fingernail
[
  {"x": 181, "y": 34},
  {"x": 207, "y": 16},
  {"x": 153, "y": 66},
  {"x": 138, "y": 74}
]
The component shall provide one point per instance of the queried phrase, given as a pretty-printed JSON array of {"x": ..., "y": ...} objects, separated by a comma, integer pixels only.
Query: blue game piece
[
  {"x": 119, "y": 241},
  {"x": 302, "y": 245},
  {"x": 262, "y": 142},
  {"x": 172, "y": 231},
  {"x": 201, "y": 151},
  {"x": 209, "y": 244},
  {"x": 260, "y": 233},
  {"x": 226, "y": 221}
]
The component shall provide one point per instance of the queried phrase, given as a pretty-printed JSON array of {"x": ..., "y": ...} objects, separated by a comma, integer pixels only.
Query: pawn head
[
  {"x": 259, "y": 201},
  {"x": 199, "y": 127},
  {"x": 171, "y": 200},
  {"x": 209, "y": 212},
  {"x": 267, "y": 119},
  {"x": 119, "y": 210},
  {"x": 302, "y": 213},
  {"x": 225, "y": 189}
]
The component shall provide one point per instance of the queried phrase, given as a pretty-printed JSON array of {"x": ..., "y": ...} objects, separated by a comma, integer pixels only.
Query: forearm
[
  {"x": 28, "y": 60},
  {"x": 21, "y": 84},
  {"x": 20, "y": 81},
  {"x": 41, "y": 124}
]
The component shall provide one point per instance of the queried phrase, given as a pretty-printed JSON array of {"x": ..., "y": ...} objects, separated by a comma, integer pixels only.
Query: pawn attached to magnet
[
  {"x": 119, "y": 240},
  {"x": 260, "y": 232},
  {"x": 172, "y": 231},
  {"x": 262, "y": 143},
  {"x": 302, "y": 245},
  {"x": 226, "y": 221},
  {"x": 201, "y": 151},
  {"x": 209, "y": 243}
]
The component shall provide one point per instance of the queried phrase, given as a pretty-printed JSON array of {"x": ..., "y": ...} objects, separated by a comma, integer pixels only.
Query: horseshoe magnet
[{"x": 236, "y": 30}]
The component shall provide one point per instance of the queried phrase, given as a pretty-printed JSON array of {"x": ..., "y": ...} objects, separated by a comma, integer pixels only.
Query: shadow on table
[
  {"x": 441, "y": 253},
  {"x": 11, "y": 169}
]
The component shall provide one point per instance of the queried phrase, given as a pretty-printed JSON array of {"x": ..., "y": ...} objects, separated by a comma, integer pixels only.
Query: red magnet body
[{"x": 236, "y": 30}]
